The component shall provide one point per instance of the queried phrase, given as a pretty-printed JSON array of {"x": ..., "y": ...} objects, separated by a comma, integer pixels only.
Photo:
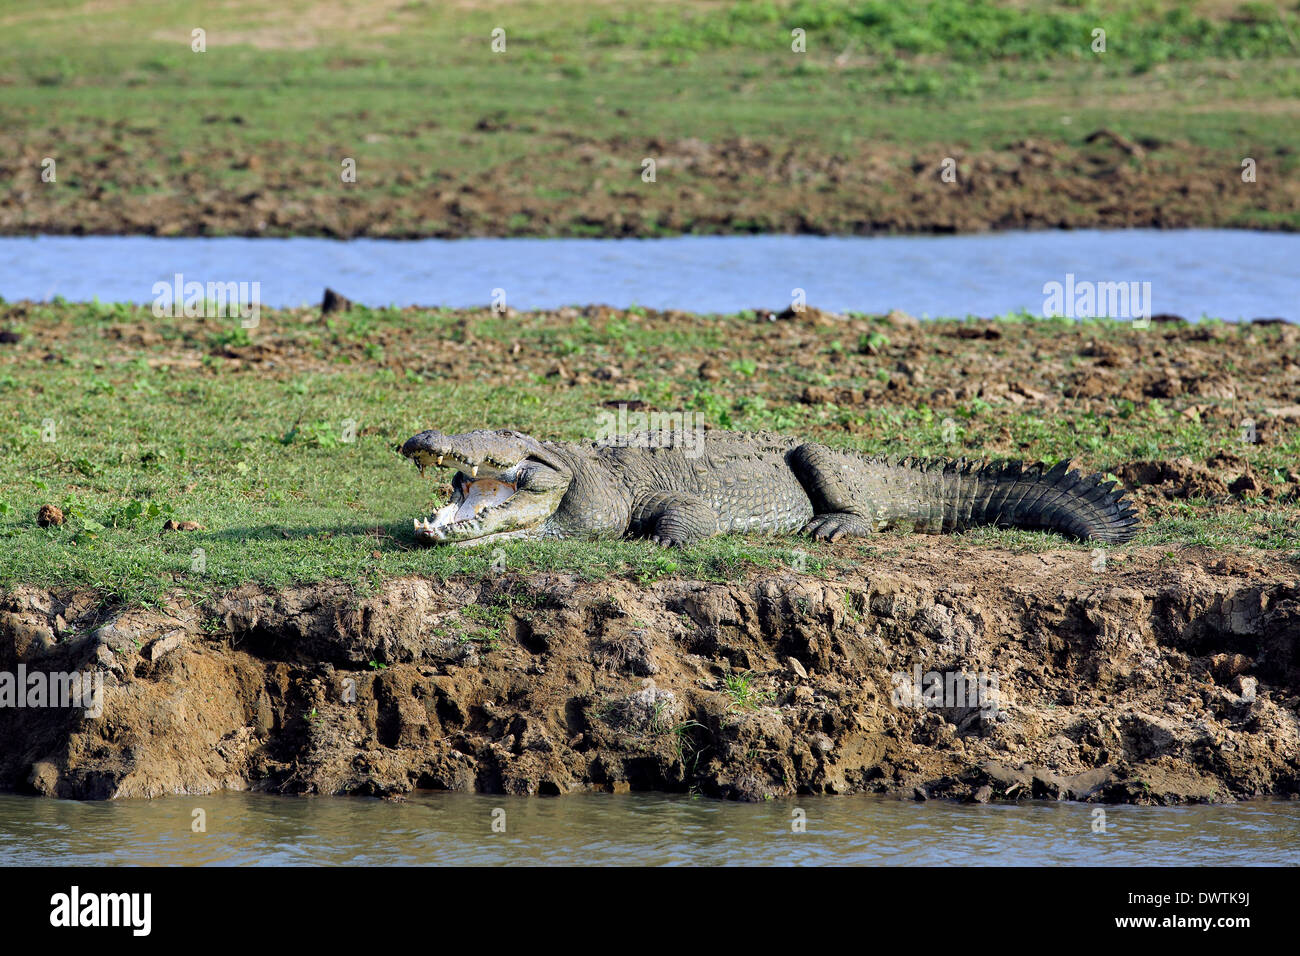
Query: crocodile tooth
[
  {"x": 440, "y": 457},
  {"x": 473, "y": 472}
]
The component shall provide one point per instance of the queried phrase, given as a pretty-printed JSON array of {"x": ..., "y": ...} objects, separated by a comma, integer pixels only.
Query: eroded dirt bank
[{"x": 1156, "y": 680}]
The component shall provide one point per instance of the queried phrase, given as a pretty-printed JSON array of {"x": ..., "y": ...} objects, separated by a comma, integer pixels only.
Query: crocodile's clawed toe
[{"x": 836, "y": 526}]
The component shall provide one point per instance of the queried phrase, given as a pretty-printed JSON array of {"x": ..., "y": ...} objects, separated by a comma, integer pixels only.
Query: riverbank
[
  {"x": 215, "y": 519},
  {"x": 1155, "y": 678},
  {"x": 951, "y": 117},
  {"x": 278, "y": 442}
]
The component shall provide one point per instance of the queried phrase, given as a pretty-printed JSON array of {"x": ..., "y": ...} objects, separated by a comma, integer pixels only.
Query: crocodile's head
[{"x": 506, "y": 485}]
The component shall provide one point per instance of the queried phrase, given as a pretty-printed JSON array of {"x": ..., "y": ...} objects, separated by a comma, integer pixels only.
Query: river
[
  {"x": 1218, "y": 273},
  {"x": 646, "y": 829}
]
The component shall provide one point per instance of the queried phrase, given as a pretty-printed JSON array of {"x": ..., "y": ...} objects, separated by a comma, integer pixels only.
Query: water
[
  {"x": 1221, "y": 273},
  {"x": 440, "y": 828}
]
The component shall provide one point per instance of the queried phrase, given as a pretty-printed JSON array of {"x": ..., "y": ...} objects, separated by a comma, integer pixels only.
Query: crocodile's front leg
[{"x": 673, "y": 518}]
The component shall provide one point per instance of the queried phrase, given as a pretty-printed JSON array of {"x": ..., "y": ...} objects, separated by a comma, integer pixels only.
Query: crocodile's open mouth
[
  {"x": 505, "y": 486},
  {"x": 475, "y": 506}
]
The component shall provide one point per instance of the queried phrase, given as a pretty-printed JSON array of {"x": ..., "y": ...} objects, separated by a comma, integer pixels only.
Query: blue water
[{"x": 1220, "y": 273}]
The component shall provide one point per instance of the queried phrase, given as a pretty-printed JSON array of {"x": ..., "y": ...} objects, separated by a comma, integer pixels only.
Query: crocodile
[{"x": 675, "y": 489}]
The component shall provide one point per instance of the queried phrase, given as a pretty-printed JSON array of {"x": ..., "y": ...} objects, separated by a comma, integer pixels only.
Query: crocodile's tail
[{"x": 1034, "y": 497}]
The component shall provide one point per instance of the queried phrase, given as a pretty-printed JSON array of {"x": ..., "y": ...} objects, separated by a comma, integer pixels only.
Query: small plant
[
  {"x": 236, "y": 338},
  {"x": 871, "y": 343},
  {"x": 659, "y": 566},
  {"x": 743, "y": 693}
]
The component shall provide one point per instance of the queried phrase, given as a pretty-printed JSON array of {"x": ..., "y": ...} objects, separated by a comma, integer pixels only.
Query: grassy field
[
  {"x": 125, "y": 421},
  {"x": 548, "y": 137}
]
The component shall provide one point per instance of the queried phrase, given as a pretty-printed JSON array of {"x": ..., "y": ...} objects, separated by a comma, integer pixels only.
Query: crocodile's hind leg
[
  {"x": 830, "y": 482},
  {"x": 673, "y": 518}
]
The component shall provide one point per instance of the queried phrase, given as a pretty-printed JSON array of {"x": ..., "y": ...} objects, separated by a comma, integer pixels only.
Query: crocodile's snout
[{"x": 478, "y": 452}]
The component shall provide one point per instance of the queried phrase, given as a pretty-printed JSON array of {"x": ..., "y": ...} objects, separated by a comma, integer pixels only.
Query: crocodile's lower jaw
[
  {"x": 474, "y": 521},
  {"x": 429, "y": 538}
]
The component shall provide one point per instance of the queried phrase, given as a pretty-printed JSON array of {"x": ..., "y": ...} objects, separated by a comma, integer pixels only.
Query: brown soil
[
  {"x": 1149, "y": 681},
  {"x": 565, "y": 183}
]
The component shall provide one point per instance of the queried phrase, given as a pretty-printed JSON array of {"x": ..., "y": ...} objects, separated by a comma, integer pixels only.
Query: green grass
[
  {"x": 407, "y": 89},
  {"x": 260, "y": 454},
  {"x": 967, "y": 31},
  {"x": 744, "y": 694}
]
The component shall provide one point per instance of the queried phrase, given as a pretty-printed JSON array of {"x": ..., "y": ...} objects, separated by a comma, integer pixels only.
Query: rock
[
  {"x": 9, "y": 337},
  {"x": 28, "y": 636},
  {"x": 901, "y": 320},
  {"x": 796, "y": 667},
  {"x": 333, "y": 302},
  {"x": 821, "y": 743},
  {"x": 158, "y": 649},
  {"x": 983, "y": 795},
  {"x": 1246, "y": 688},
  {"x": 1228, "y": 666},
  {"x": 49, "y": 515},
  {"x": 44, "y": 778}
]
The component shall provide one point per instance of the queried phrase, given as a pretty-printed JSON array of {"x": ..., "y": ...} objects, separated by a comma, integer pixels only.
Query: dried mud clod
[{"x": 49, "y": 515}]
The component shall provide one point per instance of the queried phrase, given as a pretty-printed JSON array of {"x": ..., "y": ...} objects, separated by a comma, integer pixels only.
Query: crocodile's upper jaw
[{"x": 506, "y": 486}]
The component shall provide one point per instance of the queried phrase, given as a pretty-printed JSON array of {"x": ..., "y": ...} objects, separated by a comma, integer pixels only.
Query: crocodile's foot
[{"x": 836, "y": 525}]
